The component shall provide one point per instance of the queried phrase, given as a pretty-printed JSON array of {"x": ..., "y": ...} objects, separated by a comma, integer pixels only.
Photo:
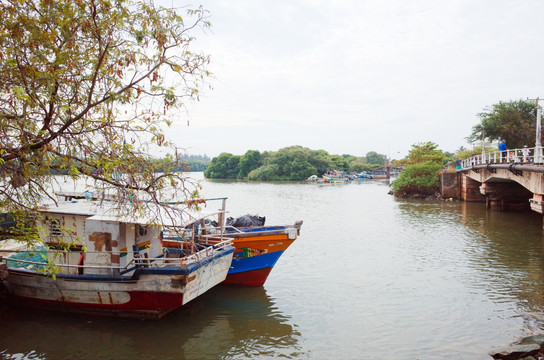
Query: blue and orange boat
[
  {"x": 257, "y": 247},
  {"x": 257, "y": 251}
]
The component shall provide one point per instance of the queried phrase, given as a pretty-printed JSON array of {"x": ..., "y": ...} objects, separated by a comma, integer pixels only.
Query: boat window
[
  {"x": 142, "y": 230},
  {"x": 54, "y": 227}
]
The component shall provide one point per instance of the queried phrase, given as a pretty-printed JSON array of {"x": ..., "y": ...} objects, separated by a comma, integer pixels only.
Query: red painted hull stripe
[{"x": 248, "y": 278}]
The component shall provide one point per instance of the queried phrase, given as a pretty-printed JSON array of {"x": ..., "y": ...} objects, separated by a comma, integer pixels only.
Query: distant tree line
[
  {"x": 290, "y": 163},
  {"x": 186, "y": 163},
  {"x": 194, "y": 162}
]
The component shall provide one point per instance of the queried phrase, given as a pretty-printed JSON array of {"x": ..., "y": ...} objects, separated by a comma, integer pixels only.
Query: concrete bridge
[{"x": 509, "y": 180}]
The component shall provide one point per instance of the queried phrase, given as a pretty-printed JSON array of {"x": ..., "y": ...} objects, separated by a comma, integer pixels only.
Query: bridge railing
[{"x": 510, "y": 156}]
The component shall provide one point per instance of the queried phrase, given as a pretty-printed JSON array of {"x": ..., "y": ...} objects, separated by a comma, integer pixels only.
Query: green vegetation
[
  {"x": 290, "y": 163},
  {"x": 251, "y": 160},
  {"x": 424, "y": 152},
  {"x": 375, "y": 159},
  {"x": 512, "y": 120},
  {"x": 463, "y": 153},
  {"x": 225, "y": 166},
  {"x": 17, "y": 225},
  {"x": 420, "y": 175},
  {"x": 421, "y": 178}
]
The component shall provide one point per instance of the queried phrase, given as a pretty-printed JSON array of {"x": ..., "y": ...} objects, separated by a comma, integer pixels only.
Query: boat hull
[
  {"x": 252, "y": 271},
  {"x": 254, "y": 278},
  {"x": 148, "y": 293},
  {"x": 144, "y": 305},
  {"x": 257, "y": 250},
  {"x": 256, "y": 254}
]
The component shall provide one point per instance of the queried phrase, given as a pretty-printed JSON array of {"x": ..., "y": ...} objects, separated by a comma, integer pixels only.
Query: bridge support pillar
[
  {"x": 512, "y": 186},
  {"x": 537, "y": 203},
  {"x": 506, "y": 196},
  {"x": 470, "y": 190},
  {"x": 450, "y": 185}
]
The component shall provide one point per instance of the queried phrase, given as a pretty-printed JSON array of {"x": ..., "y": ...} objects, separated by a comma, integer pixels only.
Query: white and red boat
[{"x": 99, "y": 261}]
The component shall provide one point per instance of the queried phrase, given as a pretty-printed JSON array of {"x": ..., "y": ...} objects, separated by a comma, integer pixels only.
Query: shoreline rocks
[
  {"x": 417, "y": 195},
  {"x": 528, "y": 348}
]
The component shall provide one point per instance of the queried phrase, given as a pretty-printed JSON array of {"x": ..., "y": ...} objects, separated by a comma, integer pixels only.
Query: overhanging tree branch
[{"x": 78, "y": 79}]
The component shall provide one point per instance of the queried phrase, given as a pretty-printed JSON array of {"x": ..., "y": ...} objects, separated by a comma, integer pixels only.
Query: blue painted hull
[{"x": 254, "y": 263}]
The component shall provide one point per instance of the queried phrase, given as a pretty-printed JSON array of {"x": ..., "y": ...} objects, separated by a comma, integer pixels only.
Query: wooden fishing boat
[
  {"x": 364, "y": 175},
  {"x": 335, "y": 177},
  {"x": 115, "y": 264},
  {"x": 258, "y": 247},
  {"x": 257, "y": 251}
]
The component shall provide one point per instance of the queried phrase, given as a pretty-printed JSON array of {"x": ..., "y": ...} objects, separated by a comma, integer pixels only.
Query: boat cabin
[{"x": 108, "y": 237}]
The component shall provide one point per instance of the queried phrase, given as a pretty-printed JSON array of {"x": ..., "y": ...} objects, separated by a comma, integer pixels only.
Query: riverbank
[{"x": 417, "y": 194}]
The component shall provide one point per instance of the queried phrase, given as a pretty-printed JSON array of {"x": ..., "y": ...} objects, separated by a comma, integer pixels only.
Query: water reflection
[
  {"x": 369, "y": 277},
  {"x": 494, "y": 253},
  {"x": 226, "y": 322},
  {"x": 508, "y": 252}
]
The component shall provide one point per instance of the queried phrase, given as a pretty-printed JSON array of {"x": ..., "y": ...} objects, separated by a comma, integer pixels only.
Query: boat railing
[
  {"x": 160, "y": 261},
  {"x": 254, "y": 232},
  {"x": 264, "y": 229},
  {"x": 208, "y": 251},
  {"x": 292, "y": 230}
]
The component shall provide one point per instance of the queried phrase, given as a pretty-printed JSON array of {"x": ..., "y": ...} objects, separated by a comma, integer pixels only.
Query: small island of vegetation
[
  {"x": 292, "y": 163},
  {"x": 419, "y": 178}
]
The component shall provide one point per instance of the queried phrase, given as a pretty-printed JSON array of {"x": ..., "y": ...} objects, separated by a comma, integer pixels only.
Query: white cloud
[{"x": 360, "y": 76}]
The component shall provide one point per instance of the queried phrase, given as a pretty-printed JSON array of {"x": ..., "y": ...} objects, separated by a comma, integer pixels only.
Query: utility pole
[
  {"x": 538, "y": 141},
  {"x": 484, "y": 161}
]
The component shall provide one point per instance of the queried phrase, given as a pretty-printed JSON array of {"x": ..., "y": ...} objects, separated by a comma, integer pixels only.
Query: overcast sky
[{"x": 356, "y": 76}]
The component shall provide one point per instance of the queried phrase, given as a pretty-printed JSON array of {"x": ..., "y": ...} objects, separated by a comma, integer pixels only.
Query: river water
[{"x": 369, "y": 277}]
